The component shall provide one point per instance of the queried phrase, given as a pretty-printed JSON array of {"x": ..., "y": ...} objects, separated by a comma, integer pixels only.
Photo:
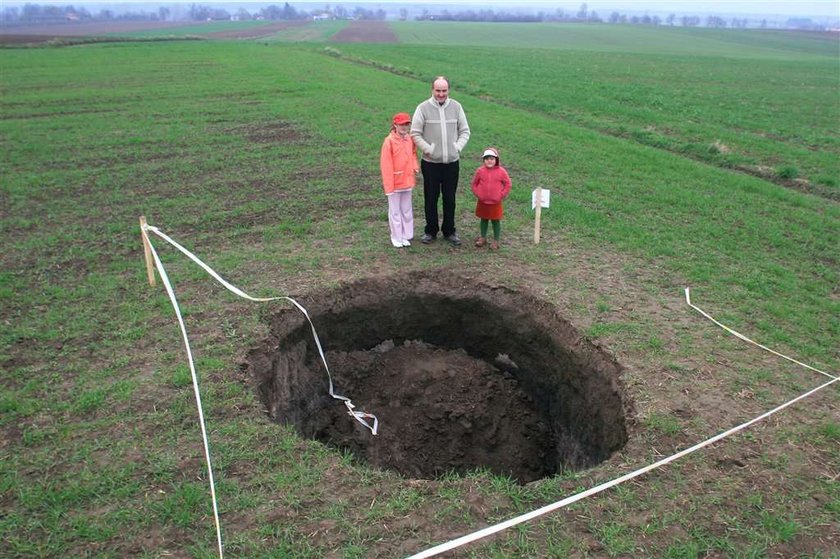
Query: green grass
[
  {"x": 772, "y": 108},
  {"x": 621, "y": 39},
  {"x": 262, "y": 158}
]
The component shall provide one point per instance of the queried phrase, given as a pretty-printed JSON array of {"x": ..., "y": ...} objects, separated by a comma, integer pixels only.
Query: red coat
[
  {"x": 398, "y": 162},
  {"x": 492, "y": 185}
]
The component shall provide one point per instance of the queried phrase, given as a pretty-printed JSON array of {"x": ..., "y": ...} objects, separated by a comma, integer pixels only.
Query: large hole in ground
[{"x": 461, "y": 375}]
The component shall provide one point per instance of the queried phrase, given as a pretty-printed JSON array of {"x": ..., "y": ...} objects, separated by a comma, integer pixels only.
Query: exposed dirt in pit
[
  {"x": 439, "y": 411},
  {"x": 460, "y": 375}
]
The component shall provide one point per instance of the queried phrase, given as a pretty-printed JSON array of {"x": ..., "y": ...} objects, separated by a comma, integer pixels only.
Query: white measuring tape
[
  {"x": 361, "y": 417},
  {"x": 174, "y": 302},
  {"x": 469, "y": 538},
  {"x": 746, "y": 339}
]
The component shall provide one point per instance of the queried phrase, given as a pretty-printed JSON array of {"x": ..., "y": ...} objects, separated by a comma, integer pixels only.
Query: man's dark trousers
[{"x": 440, "y": 178}]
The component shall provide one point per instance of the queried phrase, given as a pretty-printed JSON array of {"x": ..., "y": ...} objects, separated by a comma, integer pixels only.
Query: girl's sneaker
[
  {"x": 494, "y": 245},
  {"x": 480, "y": 242},
  {"x": 396, "y": 243},
  {"x": 406, "y": 243}
]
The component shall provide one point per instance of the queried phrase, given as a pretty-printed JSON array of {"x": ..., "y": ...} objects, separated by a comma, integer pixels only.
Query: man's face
[{"x": 440, "y": 90}]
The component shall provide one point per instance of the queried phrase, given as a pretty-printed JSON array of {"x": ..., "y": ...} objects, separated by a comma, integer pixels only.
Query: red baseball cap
[{"x": 402, "y": 118}]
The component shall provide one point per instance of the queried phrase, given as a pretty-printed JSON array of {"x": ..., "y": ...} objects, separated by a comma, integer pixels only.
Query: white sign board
[{"x": 546, "y": 194}]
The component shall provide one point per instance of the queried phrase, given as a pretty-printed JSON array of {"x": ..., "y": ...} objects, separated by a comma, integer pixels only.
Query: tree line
[
  {"x": 584, "y": 15},
  {"x": 40, "y": 14},
  {"x": 44, "y": 14}
]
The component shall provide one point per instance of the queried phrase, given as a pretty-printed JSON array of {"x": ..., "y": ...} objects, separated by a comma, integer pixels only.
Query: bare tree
[{"x": 715, "y": 21}]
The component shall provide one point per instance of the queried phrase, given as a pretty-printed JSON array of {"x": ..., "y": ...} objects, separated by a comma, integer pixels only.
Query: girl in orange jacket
[{"x": 398, "y": 163}]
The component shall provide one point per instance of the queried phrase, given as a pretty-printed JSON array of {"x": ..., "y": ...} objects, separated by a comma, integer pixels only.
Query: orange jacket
[{"x": 398, "y": 162}]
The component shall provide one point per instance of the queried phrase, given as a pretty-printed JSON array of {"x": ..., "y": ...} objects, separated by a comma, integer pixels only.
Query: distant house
[{"x": 322, "y": 16}]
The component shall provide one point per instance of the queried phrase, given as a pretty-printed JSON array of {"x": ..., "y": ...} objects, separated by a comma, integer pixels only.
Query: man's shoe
[
  {"x": 454, "y": 239},
  {"x": 426, "y": 238}
]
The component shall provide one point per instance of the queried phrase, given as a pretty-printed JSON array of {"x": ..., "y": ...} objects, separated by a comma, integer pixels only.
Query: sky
[
  {"x": 824, "y": 8},
  {"x": 819, "y": 7}
]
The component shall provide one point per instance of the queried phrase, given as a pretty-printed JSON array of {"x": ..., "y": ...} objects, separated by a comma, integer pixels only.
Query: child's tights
[{"x": 497, "y": 227}]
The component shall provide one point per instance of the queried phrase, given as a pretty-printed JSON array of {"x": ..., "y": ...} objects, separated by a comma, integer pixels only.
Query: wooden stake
[
  {"x": 147, "y": 250},
  {"x": 537, "y": 209}
]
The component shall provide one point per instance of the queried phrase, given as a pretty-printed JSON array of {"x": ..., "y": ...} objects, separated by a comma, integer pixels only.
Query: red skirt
[{"x": 488, "y": 211}]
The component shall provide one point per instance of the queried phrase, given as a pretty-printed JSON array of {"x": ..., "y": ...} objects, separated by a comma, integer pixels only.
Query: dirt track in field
[
  {"x": 254, "y": 32},
  {"x": 366, "y": 32},
  {"x": 34, "y": 34},
  {"x": 42, "y": 33}
]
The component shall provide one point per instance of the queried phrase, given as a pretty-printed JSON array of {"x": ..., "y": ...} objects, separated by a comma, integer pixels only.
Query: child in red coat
[{"x": 491, "y": 185}]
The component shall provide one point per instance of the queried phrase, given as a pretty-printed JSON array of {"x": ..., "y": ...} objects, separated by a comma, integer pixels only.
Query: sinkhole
[{"x": 461, "y": 374}]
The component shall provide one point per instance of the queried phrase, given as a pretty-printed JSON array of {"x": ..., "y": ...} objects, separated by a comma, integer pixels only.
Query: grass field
[
  {"x": 758, "y": 102},
  {"x": 262, "y": 158}
]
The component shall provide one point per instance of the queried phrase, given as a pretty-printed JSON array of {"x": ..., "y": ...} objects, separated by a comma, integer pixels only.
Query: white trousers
[{"x": 401, "y": 216}]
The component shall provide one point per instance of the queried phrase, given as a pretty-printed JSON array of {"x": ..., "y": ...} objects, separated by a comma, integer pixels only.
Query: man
[{"x": 439, "y": 128}]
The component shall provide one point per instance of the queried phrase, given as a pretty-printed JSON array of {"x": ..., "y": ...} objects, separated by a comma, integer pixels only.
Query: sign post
[{"x": 539, "y": 199}]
